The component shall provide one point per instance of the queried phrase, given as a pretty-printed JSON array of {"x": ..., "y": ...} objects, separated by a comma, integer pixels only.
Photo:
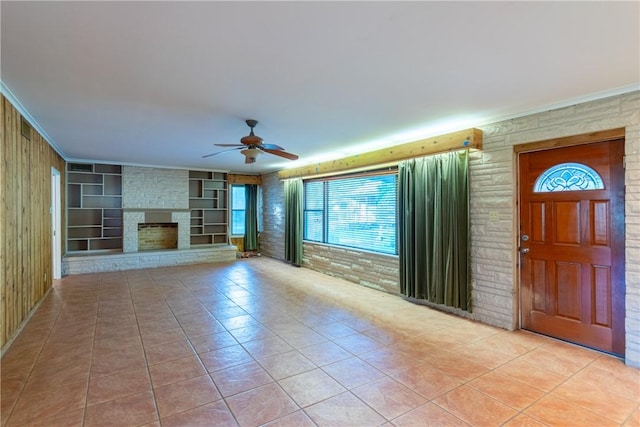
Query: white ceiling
[{"x": 158, "y": 83}]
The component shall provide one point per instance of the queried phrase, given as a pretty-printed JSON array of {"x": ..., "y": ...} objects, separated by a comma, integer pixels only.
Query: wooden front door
[{"x": 572, "y": 244}]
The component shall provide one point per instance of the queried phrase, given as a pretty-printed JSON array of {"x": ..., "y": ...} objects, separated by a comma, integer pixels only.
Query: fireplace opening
[{"x": 157, "y": 235}]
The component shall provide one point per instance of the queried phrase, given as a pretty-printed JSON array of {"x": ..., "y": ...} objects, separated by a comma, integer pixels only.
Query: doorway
[
  {"x": 56, "y": 235},
  {"x": 571, "y": 243}
]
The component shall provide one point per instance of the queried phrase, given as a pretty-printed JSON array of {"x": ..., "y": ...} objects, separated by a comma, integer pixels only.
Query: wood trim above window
[
  {"x": 567, "y": 141},
  {"x": 469, "y": 138},
  {"x": 244, "y": 179}
]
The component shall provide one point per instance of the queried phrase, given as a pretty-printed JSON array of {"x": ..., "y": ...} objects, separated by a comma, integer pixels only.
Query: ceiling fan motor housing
[{"x": 251, "y": 139}]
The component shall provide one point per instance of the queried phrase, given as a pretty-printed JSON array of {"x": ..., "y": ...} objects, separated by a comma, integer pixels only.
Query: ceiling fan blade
[
  {"x": 219, "y": 152},
  {"x": 229, "y": 145},
  {"x": 281, "y": 153},
  {"x": 272, "y": 147}
]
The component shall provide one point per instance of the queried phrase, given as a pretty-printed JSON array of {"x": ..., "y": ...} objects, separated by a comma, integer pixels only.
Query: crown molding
[
  {"x": 634, "y": 87},
  {"x": 144, "y": 165}
]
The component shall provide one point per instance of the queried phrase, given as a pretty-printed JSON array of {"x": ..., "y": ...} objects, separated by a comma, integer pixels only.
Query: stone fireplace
[
  {"x": 152, "y": 196},
  {"x": 160, "y": 229}
]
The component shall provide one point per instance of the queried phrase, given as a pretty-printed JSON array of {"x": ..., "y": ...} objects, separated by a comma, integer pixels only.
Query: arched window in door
[{"x": 568, "y": 177}]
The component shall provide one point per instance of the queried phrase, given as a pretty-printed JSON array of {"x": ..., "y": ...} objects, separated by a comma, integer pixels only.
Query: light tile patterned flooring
[{"x": 258, "y": 342}]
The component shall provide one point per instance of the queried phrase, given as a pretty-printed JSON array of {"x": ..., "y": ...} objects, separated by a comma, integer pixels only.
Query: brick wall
[
  {"x": 493, "y": 212},
  {"x": 157, "y": 236},
  {"x": 272, "y": 236}
]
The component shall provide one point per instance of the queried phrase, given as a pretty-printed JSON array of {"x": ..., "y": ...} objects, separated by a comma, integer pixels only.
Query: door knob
[{"x": 524, "y": 250}]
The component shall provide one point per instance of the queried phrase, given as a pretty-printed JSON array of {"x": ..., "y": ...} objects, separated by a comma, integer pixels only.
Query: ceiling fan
[{"x": 252, "y": 146}]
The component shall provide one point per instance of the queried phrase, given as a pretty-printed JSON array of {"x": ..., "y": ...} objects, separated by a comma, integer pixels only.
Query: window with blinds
[{"x": 357, "y": 211}]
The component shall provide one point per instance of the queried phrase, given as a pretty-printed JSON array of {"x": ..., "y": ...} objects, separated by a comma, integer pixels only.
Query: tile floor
[{"x": 258, "y": 342}]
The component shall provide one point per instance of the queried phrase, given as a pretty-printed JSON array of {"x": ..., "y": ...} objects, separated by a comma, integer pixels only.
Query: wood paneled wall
[{"x": 25, "y": 219}]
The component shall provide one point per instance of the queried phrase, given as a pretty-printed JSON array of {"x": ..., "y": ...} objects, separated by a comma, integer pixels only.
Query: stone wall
[
  {"x": 154, "y": 188},
  {"x": 494, "y": 214},
  {"x": 159, "y": 191},
  {"x": 369, "y": 269},
  {"x": 150, "y": 259}
]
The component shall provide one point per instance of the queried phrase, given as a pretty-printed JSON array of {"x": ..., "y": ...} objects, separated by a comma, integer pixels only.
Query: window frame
[
  {"x": 543, "y": 183},
  {"x": 391, "y": 171},
  {"x": 232, "y": 211}
]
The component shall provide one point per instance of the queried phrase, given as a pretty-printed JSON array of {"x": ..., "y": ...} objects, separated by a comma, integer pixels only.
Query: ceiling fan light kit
[
  {"x": 251, "y": 146},
  {"x": 251, "y": 154}
]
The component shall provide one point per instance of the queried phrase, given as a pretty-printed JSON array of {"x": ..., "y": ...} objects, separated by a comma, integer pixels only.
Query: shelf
[
  {"x": 91, "y": 189},
  {"x": 215, "y": 229},
  {"x": 99, "y": 244},
  {"x": 84, "y": 178},
  {"x": 112, "y": 232},
  {"x": 101, "y": 201},
  {"x": 213, "y": 185},
  {"x": 77, "y": 245},
  {"x": 79, "y": 167},
  {"x": 201, "y": 240},
  {"x": 112, "y": 223},
  {"x": 112, "y": 169},
  {"x": 200, "y": 175},
  {"x": 113, "y": 213},
  {"x": 215, "y": 216},
  {"x": 112, "y": 185},
  {"x": 84, "y": 217},
  {"x": 84, "y": 232},
  {"x": 94, "y": 207},
  {"x": 208, "y": 202},
  {"x": 74, "y": 196},
  {"x": 195, "y": 188}
]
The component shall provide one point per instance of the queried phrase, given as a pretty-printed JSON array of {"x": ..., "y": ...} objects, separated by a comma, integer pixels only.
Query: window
[
  {"x": 357, "y": 212},
  {"x": 568, "y": 177},
  {"x": 238, "y": 206},
  {"x": 238, "y": 209}
]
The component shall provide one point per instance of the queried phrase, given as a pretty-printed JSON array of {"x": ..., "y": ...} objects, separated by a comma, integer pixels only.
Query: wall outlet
[{"x": 494, "y": 216}]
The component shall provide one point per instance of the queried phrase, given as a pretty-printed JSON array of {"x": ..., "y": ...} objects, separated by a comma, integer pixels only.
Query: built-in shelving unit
[
  {"x": 94, "y": 207},
  {"x": 208, "y": 205}
]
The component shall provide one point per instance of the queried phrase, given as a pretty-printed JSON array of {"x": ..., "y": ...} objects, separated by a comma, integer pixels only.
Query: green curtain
[
  {"x": 251, "y": 217},
  {"x": 433, "y": 212},
  {"x": 293, "y": 221}
]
